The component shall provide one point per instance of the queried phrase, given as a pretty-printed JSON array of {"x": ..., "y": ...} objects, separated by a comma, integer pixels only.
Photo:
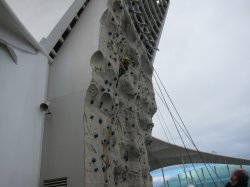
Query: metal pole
[
  {"x": 185, "y": 171},
  {"x": 229, "y": 174},
  {"x": 191, "y": 177},
  {"x": 167, "y": 183},
  {"x": 163, "y": 177},
  {"x": 187, "y": 179},
  {"x": 179, "y": 180},
  {"x": 204, "y": 177},
  {"x": 215, "y": 171}
]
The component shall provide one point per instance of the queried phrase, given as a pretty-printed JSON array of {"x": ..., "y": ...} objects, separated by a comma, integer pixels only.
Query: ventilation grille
[{"x": 57, "y": 182}]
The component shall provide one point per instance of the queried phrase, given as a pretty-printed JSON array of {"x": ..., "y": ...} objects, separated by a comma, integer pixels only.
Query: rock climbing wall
[{"x": 120, "y": 102}]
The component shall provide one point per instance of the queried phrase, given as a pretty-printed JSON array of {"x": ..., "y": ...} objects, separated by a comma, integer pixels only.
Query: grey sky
[
  {"x": 203, "y": 61},
  {"x": 40, "y": 16}
]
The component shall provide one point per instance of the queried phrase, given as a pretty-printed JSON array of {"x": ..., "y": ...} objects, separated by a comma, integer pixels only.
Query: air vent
[{"x": 57, "y": 182}]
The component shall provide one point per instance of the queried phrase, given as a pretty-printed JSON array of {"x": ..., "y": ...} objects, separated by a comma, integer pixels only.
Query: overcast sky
[
  {"x": 203, "y": 62},
  {"x": 39, "y": 16}
]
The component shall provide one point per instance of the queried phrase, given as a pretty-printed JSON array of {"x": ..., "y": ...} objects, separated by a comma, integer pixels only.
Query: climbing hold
[
  {"x": 100, "y": 121},
  {"x": 96, "y": 169},
  {"x": 93, "y": 160},
  {"x": 96, "y": 135},
  {"x": 124, "y": 59}
]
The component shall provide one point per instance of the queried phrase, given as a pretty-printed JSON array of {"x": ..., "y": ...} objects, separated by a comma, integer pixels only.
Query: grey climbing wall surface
[{"x": 120, "y": 102}]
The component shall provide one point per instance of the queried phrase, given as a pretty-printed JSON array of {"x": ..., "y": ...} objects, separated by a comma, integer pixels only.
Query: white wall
[
  {"x": 22, "y": 89},
  {"x": 69, "y": 77}
]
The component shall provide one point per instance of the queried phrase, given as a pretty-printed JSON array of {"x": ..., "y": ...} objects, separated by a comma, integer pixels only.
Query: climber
[{"x": 123, "y": 67}]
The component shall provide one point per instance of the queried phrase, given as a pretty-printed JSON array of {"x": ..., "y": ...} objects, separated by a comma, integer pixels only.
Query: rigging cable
[
  {"x": 162, "y": 127},
  {"x": 173, "y": 116},
  {"x": 192, "y": 143},
  {"x": 179, "y": 132},
  {"x": 182, "y": 166},
  {"x": 188, "y": 134}
]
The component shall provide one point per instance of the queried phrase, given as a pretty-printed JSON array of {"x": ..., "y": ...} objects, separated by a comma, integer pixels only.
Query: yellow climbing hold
[{"x": 124, "y": 59}]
